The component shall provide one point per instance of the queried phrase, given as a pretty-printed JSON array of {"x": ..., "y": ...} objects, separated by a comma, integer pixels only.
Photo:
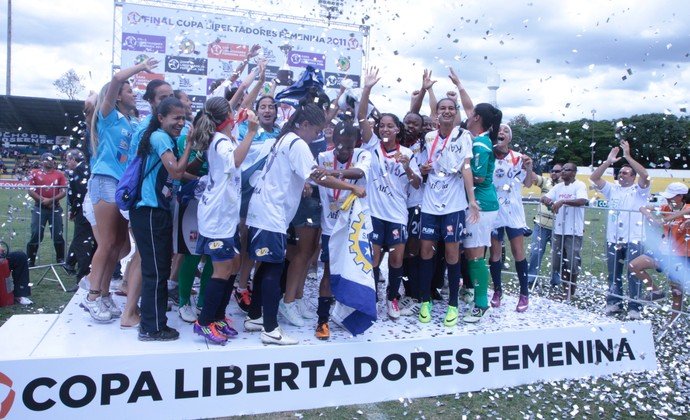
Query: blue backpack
[{"x": 128, "y": 190}]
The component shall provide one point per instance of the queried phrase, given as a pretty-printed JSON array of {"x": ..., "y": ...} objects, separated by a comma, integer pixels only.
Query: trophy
[{"x": 284, "y": 75}]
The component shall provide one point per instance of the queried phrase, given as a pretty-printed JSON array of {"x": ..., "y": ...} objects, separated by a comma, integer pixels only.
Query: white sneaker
[
  {"x": 305, "y": 309},
  {"x": 277, "y": 336},
  {"x": 291, "y": 313},
  {"x": 84, "y": 283},
  {"x": 187, "y": 313},
  {"x": 634, "y": 315},
  {"x": 406, "y": 305},
  {"x": 23, "y": 300},
  {"x": 254, "y": 325},
  {"x": 393, "y": 308},
  {"x": 97, "y": 309},
  {"x": 469, "y": 296},
  {"x": 112, "y": 307},
  {"x": 477, "y": 314}
]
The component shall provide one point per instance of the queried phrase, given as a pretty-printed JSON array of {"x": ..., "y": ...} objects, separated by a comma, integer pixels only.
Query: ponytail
[
  {"x": 163, "y": 109},
  {"x": 216, "y": 110},
  {"x": 309, "y": 112},
  {"x": 491, "y": 119}
]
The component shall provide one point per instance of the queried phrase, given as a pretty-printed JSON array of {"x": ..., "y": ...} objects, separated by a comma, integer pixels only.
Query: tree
[
  {"x": 519, "y": 120},
  {"x": 69, "y": 83}
]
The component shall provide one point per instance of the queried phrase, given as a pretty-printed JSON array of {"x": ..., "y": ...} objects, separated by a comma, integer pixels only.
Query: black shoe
[
  {"x": 174, "y": 296},
  {"x": 69, "y": 269},
  {"x": 436, "y": 294},
  {"x": 165, "y": 334}
]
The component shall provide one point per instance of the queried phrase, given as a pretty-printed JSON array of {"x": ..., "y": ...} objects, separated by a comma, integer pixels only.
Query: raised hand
[
  {"x": 150, "y": 64},
  {"x": 253, "y": 121},
  {"x": 454, "y": 78},
  {"x": 625, "y": 146},
  {"x": 527, "y": 163},
  {"x": 427, "y": 83},
  {"x": 613, "y": 156},
  {"x": 254, "y": 51},
  {"x": 371, "y": 78}
]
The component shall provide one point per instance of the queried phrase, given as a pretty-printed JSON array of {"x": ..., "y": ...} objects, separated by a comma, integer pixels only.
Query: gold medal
[{"x": 334, "y": 206}]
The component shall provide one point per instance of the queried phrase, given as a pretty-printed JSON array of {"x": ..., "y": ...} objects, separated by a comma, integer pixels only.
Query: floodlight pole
[
  {"x": 594, "y": 111},
  {"x": 8, "y": 81}
]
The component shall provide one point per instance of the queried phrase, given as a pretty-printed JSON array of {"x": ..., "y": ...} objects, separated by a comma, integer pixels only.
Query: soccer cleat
[
  {"x": 210, "y": 333},
  {"x": 187, "y": 313},
  {"x": 408, "y": 306},
  {"x": 613, "y": 309},
  {"x": 277, "y": 336},
  {"x": 634, "y": 315},
  {"x": 224, "y": 327},
  {"x": 323, "y": 332},
  {"x": 253, "y": 325},
  {"x": 523, "y": 303},
  {"x": 393, "y": 308},
  {"x": 451, "y": 318},
  {"x": 112, "y": 307},
  {"x": 291, "y": 313},
  {"x": 469, "y": 296},
  {"x": 97, "y": 310},
  {"x": 243, "y": 299},
  {"x": 165, "y": 334},
  {"x": 425, "y": 312},
  {"x": 304, "y": 309},
  {"x": 23, "y": 300},
  {"x": 496, "y": 299},
  {"x": 476, "y": 315}
]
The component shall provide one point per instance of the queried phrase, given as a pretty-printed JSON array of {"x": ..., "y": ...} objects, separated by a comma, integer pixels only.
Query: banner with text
[
  {"x": 239, "y": 381},
  {"x": 197, "y": 47}
]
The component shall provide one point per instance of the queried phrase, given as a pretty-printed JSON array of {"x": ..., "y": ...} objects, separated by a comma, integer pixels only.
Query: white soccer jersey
[
  {"x": 444, "y": 192},
  {"x": 625, "y": 225},
  {"x": 508, "y": 179},
  {"x": 415, "y": 196},
  {"x": 331, "y": 199},
  {"x": 279, "y": 188},
  {"x": 218, "y": 212},
  {"x": 569, "y": 220},
  {"x": 388, "y": 186}
]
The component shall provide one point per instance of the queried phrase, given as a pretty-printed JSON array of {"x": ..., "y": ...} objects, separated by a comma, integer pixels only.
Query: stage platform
[{"x": 69, "y": 366}]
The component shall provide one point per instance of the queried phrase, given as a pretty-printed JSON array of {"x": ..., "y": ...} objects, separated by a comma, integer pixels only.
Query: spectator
[
  {"x": 18, "y": 264},
  {"x": 47, "y": 196},
  {"x": 543, "y": 226},
  {"x": 82, "y": 246},
  {"x": 568, "y": 226},
  {"x": 624, "y": 226}
]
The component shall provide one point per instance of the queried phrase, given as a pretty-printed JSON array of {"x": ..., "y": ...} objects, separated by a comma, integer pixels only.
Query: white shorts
[
  {"x": 87, "y": 210},
  {"x": 479, "y": 234}
]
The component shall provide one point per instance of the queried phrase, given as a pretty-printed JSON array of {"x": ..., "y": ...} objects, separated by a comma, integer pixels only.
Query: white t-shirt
[
  {"x": 388, "y": 186},
  {"x": 625, "y": 226},
  {"x": 331, "y": 199},
  {"x": 279, "y": 188},
  {"x": 415, "y": 196},
  {"x": 569, "y": 220},
  {"x": 508, "y": 179},
  {"x": 444, "y": 192},
  {"x": 218, "y": 212}
]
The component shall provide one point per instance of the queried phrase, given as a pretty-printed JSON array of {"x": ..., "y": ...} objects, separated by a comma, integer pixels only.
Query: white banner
[
  {"x": 195, "y": 48},
  {"x": 258, "y": 380}
]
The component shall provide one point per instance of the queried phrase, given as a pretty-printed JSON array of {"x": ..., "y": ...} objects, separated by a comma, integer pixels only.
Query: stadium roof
[{"x": 51, "y": 117}]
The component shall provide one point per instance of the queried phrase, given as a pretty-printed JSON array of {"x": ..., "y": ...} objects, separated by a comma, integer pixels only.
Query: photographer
[{"x": 18, "y": 264}]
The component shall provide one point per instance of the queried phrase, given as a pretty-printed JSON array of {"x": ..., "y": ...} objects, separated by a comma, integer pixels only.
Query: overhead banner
[
  {"x": 233, "y": 381},
  {"x": 195, "y": 48}
]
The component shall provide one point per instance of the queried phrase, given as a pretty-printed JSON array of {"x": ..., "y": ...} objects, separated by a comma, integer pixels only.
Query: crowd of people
[{"x": 263, "y": 196}]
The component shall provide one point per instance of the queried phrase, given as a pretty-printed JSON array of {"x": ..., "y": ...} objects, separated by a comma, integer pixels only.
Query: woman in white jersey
[
  {"x": 343, "y": 162},
  {"x": 448, "y": 192},
  {"x": 512, "y": 171},
  {"x": 393, "y": 172},
  {"x": 218, "y": 211},
  {"x": 271, "y": 208}
]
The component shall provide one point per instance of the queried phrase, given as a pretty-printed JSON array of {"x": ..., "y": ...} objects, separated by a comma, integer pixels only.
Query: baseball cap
[
  {"x": 673, "y": 189},
  {"x": 47, "y": 156}
]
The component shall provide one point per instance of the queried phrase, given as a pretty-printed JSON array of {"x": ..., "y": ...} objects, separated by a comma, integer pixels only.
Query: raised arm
[
  {"x": 235, "y": 100},
  {"x": 465, "y": 99},
  {"x": 610, "y": 160},
  {"x": 252, "y": 128},
  {"x": 119, "y": 79},
  {"x": 249, "y": 99},
  {"x": 370, "y": 79},
  {"x": 643, "y": 180},
  {"x": 418, "y": 99}
]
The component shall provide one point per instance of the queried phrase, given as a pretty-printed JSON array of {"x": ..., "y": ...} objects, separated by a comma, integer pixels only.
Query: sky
[{"x": 556, "y": 60}]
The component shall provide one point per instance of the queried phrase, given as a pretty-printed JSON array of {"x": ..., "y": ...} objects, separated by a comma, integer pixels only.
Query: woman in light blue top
[{"x": 111, "y": 133}]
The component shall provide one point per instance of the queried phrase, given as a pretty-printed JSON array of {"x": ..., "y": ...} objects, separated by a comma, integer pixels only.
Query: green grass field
[{"x": 664, "y": 393}]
